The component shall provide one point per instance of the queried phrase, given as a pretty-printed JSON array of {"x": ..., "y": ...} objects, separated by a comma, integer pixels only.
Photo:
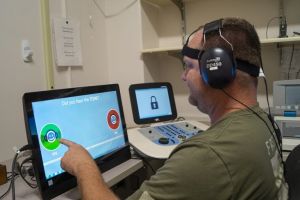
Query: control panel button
[{"x": 163, "y": 140}]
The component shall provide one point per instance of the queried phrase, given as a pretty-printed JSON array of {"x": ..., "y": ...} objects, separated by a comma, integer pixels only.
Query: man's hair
[{"x": 243, "y": 37}]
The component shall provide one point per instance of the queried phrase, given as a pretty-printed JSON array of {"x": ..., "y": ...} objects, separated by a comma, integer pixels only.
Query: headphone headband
[
  {"x": 242, "y": 65},
  {"x": 213, "y": 26}
]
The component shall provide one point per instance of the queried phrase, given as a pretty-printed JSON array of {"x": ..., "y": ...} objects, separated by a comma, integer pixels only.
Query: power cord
[
  {"x": 13, "y": 172},
  {"x": 5, "y": 193},
  {"x": 9, "y": 175},
  {"x": 135, "y": 155},
  {"x": 179, "y": 119},
  {"x": 270, "y": 20},
  {"x": 149, "y": 165},
  {"x": 21, "y": 172},
  {"x": 291, "y": 60},
  {"x": 114, "y": 14}
]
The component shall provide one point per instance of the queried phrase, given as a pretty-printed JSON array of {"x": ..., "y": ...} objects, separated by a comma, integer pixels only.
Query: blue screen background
[
  {"x": 143, "y": 97},
  {"x": 82, "y": 119}
]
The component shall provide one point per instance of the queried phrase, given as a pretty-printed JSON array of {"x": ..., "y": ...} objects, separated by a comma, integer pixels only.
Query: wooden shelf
[
  {"x": 162, "y": 50},
  {"x": 162, "y": 2},
  {"x": 269, "y": 41},
  {"x": 287, "y": 40},
  {"x": 159, "y": 2}
]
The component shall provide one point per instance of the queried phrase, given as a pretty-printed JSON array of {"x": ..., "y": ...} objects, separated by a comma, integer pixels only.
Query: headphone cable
[
  {"x": 277, "y": 142},
  {"x": 274, "y": 124}
]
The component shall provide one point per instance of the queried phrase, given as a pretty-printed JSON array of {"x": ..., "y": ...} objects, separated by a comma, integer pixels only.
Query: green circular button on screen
[{"x": 50, "y": 136}]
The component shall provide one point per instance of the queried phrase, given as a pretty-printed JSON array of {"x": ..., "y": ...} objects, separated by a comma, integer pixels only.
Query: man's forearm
[{"x": 92, "y": 185}]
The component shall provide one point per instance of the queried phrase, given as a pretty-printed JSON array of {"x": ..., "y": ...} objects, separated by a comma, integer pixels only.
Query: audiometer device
[
  {"x": 152, "y": 102},
  {"x": 286, "y": 98},
  {"x": 90, "y": 116},
  {"x": 153, "y": 105},
  {"x": 286, "y": 109}
]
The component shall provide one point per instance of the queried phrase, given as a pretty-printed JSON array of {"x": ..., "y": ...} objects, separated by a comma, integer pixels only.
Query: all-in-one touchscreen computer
[{"x": 90, "y": 116}]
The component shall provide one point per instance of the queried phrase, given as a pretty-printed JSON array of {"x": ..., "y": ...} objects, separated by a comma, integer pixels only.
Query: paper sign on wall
[{"x": 67, "y": 42}]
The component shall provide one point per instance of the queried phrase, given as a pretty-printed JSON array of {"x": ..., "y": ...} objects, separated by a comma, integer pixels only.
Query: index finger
[{"x": 66, "y": 142}]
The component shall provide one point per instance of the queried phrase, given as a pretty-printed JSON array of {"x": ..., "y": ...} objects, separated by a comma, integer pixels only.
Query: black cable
[
  {"x": 255, "y": 113},
  {"x": 148, "y": 164},
  {"x": 276, "y": 128},
  {"x": 270, "y": 20},
  {"x": 13, "y": 176},
  {"x": 12, "y": 181},
  {"x": 137, "y": 156},
  {"x": 266, "y": 85},
  {"x": 290, "y": 64},
  {"x": 21, "y": 174},
  {"x": 179, "y": 119},
  {"x": 5, "y": 193},
  {"x": 25, "y": 148},
  {"x": 267, "y": 95},
  {"x": 10, "y": 176}
]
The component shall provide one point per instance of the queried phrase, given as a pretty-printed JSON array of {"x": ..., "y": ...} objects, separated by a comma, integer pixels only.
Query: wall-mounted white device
[{"x": 27, "y": 52}]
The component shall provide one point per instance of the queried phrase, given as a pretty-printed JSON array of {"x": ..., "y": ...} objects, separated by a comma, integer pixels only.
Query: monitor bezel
[
  {"x": 134, "y": 104},
  {"x": 63, "y": 182}
]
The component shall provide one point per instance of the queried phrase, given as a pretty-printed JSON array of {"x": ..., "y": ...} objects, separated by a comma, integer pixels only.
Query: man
[{"x": 238, "y": 157}]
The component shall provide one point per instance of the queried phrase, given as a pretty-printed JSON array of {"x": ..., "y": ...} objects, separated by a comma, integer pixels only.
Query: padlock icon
[{"x": 154, "y": 103}]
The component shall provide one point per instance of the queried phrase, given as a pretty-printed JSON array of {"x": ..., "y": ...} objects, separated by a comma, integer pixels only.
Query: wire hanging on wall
[
  {"x": 268, "y": 24},
  {"x": 114, "y": 14},
  {"x": 291, "y": 60}
]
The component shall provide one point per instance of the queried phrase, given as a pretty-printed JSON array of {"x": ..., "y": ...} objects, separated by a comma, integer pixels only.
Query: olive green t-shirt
[{"x": 236, "y": 158}]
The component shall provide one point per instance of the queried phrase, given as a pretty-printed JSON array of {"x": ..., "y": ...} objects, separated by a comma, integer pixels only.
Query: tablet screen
[
  {"x": 152, "y": 102},
  {"x": 90, "y": 120}
]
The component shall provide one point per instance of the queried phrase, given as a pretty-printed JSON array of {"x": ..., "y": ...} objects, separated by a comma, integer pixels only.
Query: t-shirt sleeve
[{"x": 192, "y": 172}]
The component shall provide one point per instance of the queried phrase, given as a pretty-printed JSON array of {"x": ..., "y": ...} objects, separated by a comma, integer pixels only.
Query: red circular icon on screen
[{"x": 113, "y": 119}]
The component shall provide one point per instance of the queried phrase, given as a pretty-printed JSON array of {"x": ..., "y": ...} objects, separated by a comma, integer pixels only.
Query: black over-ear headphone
[{"x": 218, "y": 65}]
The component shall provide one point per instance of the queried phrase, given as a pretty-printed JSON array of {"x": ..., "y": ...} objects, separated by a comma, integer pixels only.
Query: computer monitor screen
[
  {"x": 90, "y": 116},
  {"x": 152, "y": 102}
]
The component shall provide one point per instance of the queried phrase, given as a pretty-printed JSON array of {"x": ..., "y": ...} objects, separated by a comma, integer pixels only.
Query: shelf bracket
[{"x": 181, "y": 7}]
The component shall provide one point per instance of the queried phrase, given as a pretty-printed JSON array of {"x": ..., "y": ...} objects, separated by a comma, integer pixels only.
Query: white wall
[
  {"x": 111, "y": 49},
  {"x": 18, "y": 20},
  {"x": 124, "y": 47},
  {"x": 161, "y": 28},
  {"x": 22, "y": 20},
  {"x": 93, "y": 43}
]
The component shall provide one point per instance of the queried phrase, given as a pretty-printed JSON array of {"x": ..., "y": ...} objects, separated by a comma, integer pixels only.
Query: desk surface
[
  {"x": 111, "y": 177},
  {"x": 288, "y": 144}
]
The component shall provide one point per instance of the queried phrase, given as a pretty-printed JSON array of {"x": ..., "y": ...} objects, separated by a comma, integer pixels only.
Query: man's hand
[
  {"x": 75, "y": 158},
  {"x": 78, "y": 162}
]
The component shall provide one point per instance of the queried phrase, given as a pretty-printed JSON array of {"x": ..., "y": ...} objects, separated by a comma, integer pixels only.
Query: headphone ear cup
[{"x": 217, "y": 67}]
